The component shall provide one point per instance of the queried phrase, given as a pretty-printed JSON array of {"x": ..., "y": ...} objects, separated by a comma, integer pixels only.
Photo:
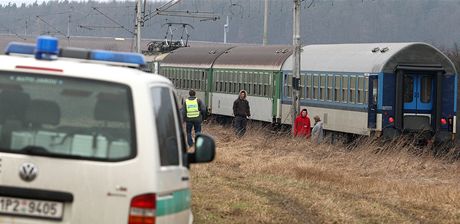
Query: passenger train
[{"x": 364, "y": 89}]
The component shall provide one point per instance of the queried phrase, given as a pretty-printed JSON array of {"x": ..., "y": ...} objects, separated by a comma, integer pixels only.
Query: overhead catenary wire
[
  {"x": 112, "y": 20},
  {"x": 50, "y": 25}
]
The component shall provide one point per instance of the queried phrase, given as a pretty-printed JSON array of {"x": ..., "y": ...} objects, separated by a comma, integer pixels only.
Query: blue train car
[{"x": 382, "y": 88}]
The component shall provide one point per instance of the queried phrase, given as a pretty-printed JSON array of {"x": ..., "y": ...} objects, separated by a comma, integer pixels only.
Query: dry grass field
[{"x": 272, "y": 178}]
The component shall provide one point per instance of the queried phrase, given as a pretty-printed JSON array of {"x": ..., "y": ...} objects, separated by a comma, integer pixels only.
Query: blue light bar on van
[
  {"x": 47, "y": 48},
  {"x": 19, "y": 48},
  {"x": 121, "y": 57}
]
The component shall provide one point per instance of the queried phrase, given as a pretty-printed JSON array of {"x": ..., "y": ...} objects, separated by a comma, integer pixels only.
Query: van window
[
  {"x": 65, "y": 117},
  {"x": 167, "y": 132}
]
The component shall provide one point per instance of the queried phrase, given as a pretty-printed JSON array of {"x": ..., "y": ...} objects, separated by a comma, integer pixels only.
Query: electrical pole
[
  {"x": 25, "y": 31},
  {"x": 68, "y": 32},
  {"x": 265, "y": 38},
  {"x": 296, "y": 62},
  {"x": 226, "y": 31},
  {"x": 138, "y": 26}
]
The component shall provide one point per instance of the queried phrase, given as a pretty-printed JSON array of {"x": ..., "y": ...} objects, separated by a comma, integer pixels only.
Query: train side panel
[
  {"x": 345, "y": 121},
  {"x": 261, "y": 107}
]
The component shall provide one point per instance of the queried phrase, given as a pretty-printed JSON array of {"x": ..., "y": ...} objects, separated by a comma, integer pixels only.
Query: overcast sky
[{"x": 19, "y": 2}]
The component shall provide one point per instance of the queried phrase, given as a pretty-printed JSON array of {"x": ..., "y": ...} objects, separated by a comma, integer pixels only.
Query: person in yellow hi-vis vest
[{"x": 193, "y": 112}]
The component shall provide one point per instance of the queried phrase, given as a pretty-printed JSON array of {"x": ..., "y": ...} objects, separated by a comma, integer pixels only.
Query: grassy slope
[{"x": 265, "y": 178}]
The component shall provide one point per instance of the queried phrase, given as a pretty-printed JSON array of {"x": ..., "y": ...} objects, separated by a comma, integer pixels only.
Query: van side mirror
[{"x": 205, "y": 150}]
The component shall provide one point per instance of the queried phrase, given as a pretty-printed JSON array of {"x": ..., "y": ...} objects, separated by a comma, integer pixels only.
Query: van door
[
  {"x": 418, "y": 95},
  {"x": 173, "y": 198}
]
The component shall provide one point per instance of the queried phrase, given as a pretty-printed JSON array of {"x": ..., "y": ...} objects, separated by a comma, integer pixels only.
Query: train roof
[
  {"x": 254, "y": 57},
  {"x": 194, "y": 57},
  {"x": 371, "y": 57}
]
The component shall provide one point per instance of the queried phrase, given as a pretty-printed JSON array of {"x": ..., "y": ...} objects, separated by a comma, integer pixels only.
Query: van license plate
[{"x": 30, "y": 207}]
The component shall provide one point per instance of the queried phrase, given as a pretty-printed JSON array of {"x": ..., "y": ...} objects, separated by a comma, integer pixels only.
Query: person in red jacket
[{"x": 302, "y": 124}]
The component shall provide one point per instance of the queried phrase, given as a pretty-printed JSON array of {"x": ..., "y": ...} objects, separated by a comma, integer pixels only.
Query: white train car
[{"x": 376, "y": 87}]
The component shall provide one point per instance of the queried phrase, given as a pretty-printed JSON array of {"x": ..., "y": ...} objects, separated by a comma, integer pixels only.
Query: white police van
[{"x": 84, "y": 139}]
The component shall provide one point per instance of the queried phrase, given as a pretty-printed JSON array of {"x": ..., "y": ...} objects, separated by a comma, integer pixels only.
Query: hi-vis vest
[{"x": 192, "y": 108}]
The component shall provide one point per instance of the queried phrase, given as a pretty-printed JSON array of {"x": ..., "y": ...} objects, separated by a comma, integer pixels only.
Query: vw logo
[{"x": 28, "y": 172}]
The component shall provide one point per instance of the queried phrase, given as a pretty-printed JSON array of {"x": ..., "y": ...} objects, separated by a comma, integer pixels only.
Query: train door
[
  {"x": 418, "y": 93},
  {"x": 373, "y": 101}
]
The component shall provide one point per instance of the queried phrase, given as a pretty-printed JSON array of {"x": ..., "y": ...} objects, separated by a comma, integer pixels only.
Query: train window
[
  {"x": 345, "y": 88},
  {"x": 239, "y": 78},
  {"x": 227, "y": 82},
  {"x": 189, "y": 78},
  {"x": 330, "y": 87},
  {"x": 196, "y": 79},
  {"x": 375, "y": 92},
  {"x": 366, "y": 89},
  {"x": 308, "y": 85},
  {"x": 249, "y": 83},
  {"x": 240, "y": 84},
  {"x": 215, "y": 81},
  {"x": 202, "y": 79},
  {"x": 230, "y": 82},
  {"x": 235, "y": 82},
  {"x": 193, "y": 78},
  {"x": 408, "y": 88},
  {"x": 178, "y": 80},
  {"x": 236, "y": 88},
  {"x": 179, "y": 77},
  {"x": 186, "y": 79},
  {"x": 315, "y": 86},
  {"x": 255, "y": 77},
  {"x": 353, "y": 89},
  {"x": 245, "y": 81},
  {"x": 258, "y": 81},
  {"x": 222, "y": 81},
  {"x": 262, "y": 82},
  {"x": 219, "y": 82},
  {"x": 322, "y": 93},
  {"x": 265, "y": 85},
  {"x": 287, "y": 85},
  {"x": 360, "y": 90},
  {"x": 425, "y": 89},
  {"x": 337, "y": 88}
]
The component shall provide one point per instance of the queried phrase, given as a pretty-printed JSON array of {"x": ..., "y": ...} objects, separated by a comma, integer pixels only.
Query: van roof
[{"x": 78, "y": 68}]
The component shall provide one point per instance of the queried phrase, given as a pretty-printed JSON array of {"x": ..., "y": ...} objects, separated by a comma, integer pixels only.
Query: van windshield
[{"x": 65, "y": 117}]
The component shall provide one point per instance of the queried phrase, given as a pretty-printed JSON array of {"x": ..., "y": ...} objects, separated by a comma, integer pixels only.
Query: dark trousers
[
  {"x": 189, "y": 125},
  {"x": 240, "y": 125}
]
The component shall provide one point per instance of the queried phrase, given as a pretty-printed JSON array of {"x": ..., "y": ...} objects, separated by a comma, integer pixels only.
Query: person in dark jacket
[
  {"x": 193, "y": 110},
  {"x": 302, "y": 124},
  {"x": 241, "y": 112}
]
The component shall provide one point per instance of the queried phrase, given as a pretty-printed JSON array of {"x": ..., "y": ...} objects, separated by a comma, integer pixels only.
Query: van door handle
[{"x": 185, "y": 178}]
